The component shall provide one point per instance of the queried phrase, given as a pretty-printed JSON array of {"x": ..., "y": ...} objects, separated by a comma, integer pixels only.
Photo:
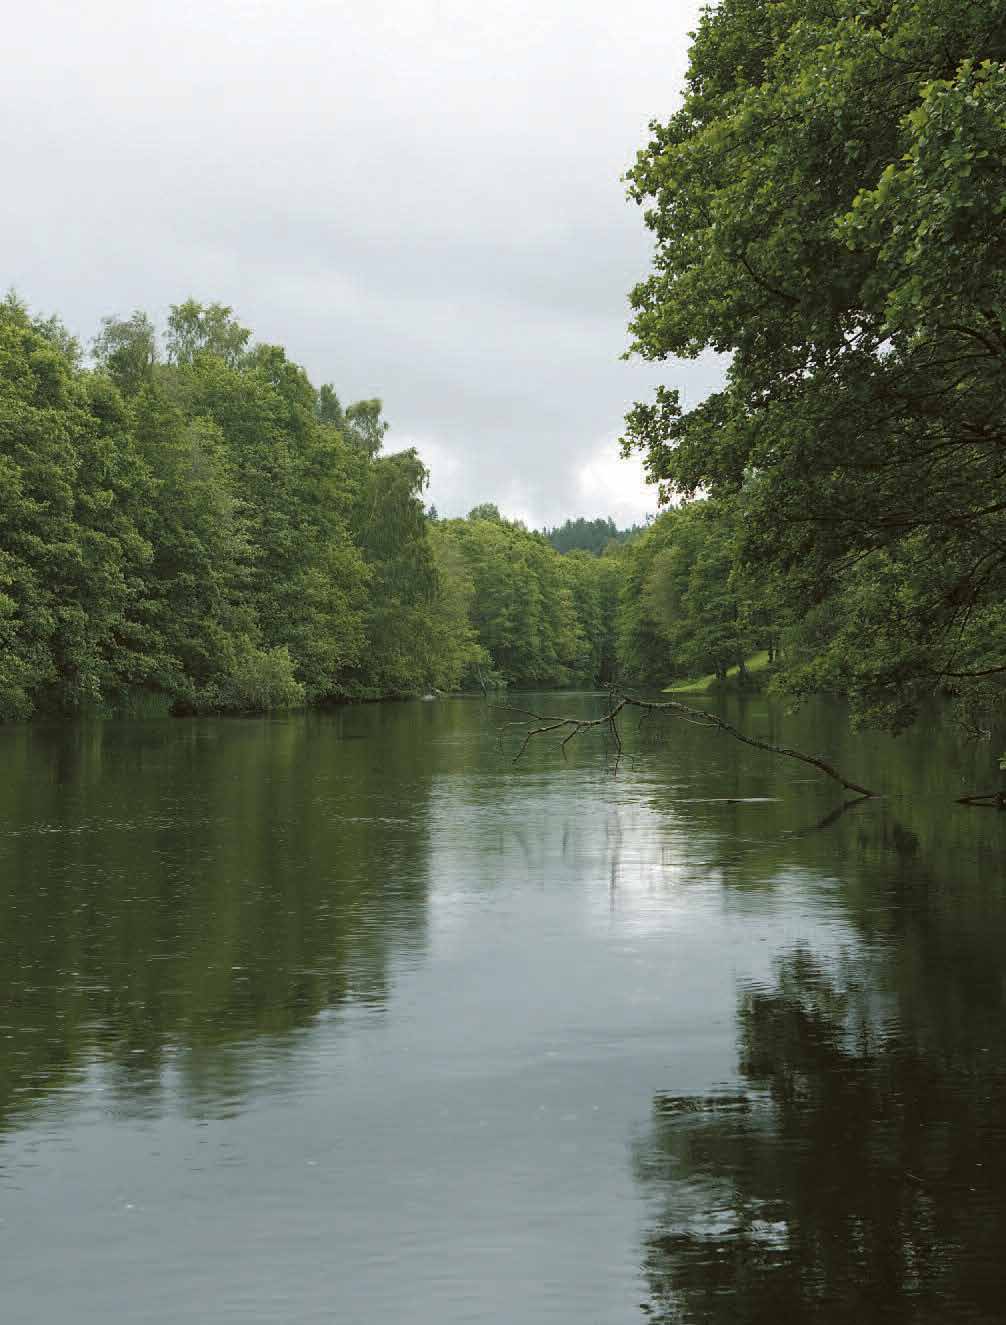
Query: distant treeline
[
  {"x": 594, "y": 536},
  {"x": 189, "y": 525}
]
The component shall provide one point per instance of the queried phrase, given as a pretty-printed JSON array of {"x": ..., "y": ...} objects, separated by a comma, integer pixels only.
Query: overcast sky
[{"x": 419, "y": 199}]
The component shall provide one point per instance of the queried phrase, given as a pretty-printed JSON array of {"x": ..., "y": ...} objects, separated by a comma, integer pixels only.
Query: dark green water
[{"x": 344, "y": 1018}]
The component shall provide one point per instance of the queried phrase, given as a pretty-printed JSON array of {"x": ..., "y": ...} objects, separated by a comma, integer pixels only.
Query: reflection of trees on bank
[
  {"x": 862, "y": 1177},
  {"x": 912, "y": 870},
  {"x": 921, "y": 772},
  {"x": 169, "y": 890}
]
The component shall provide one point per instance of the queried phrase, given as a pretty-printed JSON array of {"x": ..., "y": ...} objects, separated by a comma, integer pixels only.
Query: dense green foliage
[
  {"x": 541, "y": 618},
  {"x": 688, "y": 608},
  {"x": 200, "y": 529},
  {"x": 828, "y": 206}
]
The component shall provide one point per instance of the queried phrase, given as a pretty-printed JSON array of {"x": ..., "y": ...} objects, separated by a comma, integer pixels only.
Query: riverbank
[{"x": 757, "y": 672}]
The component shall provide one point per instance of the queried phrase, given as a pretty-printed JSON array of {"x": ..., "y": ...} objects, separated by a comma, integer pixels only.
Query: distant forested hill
[{"x": 588, "y": 535}]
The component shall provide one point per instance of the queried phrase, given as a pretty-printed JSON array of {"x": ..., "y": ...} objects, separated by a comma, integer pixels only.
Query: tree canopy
[
  {"x": 191, "y": 526},
  {"x": 828, "y": 209},
  {"x": 587, "y": 535}
]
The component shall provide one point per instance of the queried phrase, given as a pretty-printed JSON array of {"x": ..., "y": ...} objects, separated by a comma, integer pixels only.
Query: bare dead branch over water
[
  {"x": 671, "y": 708},
  {"x": 575, "y": 726},
  {"x": 993, "y": 800}
]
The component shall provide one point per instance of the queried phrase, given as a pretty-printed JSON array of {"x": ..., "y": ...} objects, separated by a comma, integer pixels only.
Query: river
[{"x": 346, "y": 1017}]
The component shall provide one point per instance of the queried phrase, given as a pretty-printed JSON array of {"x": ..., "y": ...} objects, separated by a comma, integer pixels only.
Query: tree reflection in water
[
  {"x": 862, "y": 1175},
  {"x": 179, "y": 900}
]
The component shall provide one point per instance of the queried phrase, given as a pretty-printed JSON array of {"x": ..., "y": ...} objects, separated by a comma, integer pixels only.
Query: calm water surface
[{"x": 345, "y": 1018}]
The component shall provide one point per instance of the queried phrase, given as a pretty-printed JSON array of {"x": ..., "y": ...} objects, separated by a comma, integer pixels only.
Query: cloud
[
  {"x": 421, "y": 200},
  {"x": 607, "y": 483}
]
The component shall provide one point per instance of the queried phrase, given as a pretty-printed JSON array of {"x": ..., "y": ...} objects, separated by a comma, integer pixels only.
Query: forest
[{"x": 190, "y": 525}]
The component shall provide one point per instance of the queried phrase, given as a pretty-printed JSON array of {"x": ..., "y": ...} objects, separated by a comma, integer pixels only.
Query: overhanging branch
[{"x": 572, "y": 727}]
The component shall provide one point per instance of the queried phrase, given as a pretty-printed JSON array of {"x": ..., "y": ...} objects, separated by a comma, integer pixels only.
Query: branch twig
[
  {"x": 670, "y": 708},
  {"x": 993, "y": 800}
]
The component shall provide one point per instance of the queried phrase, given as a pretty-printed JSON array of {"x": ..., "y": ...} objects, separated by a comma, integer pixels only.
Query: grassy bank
[{"x": 758, "y": 670}]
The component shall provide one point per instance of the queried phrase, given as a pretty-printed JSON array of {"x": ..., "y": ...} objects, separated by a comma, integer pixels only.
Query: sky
[{"x": 419, "y": 199}]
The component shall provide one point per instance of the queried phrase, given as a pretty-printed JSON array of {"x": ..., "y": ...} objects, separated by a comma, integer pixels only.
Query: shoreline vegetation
[
  {"x": 750, "y": 676},
  {"x": 826, "y": 208},
  {"x": 191, "y": 525}
]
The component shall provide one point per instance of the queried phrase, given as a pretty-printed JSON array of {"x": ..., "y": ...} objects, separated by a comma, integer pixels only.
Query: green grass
[{"x": 758, "y": 662}]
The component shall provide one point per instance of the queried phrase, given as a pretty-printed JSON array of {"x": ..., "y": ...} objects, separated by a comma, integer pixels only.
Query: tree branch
[
  {"x": 993, "y": 800},
  {"x": 987, "y": 671},
  {"x": 555, "y": 724},
  {"x": 670, "y": 708}
]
